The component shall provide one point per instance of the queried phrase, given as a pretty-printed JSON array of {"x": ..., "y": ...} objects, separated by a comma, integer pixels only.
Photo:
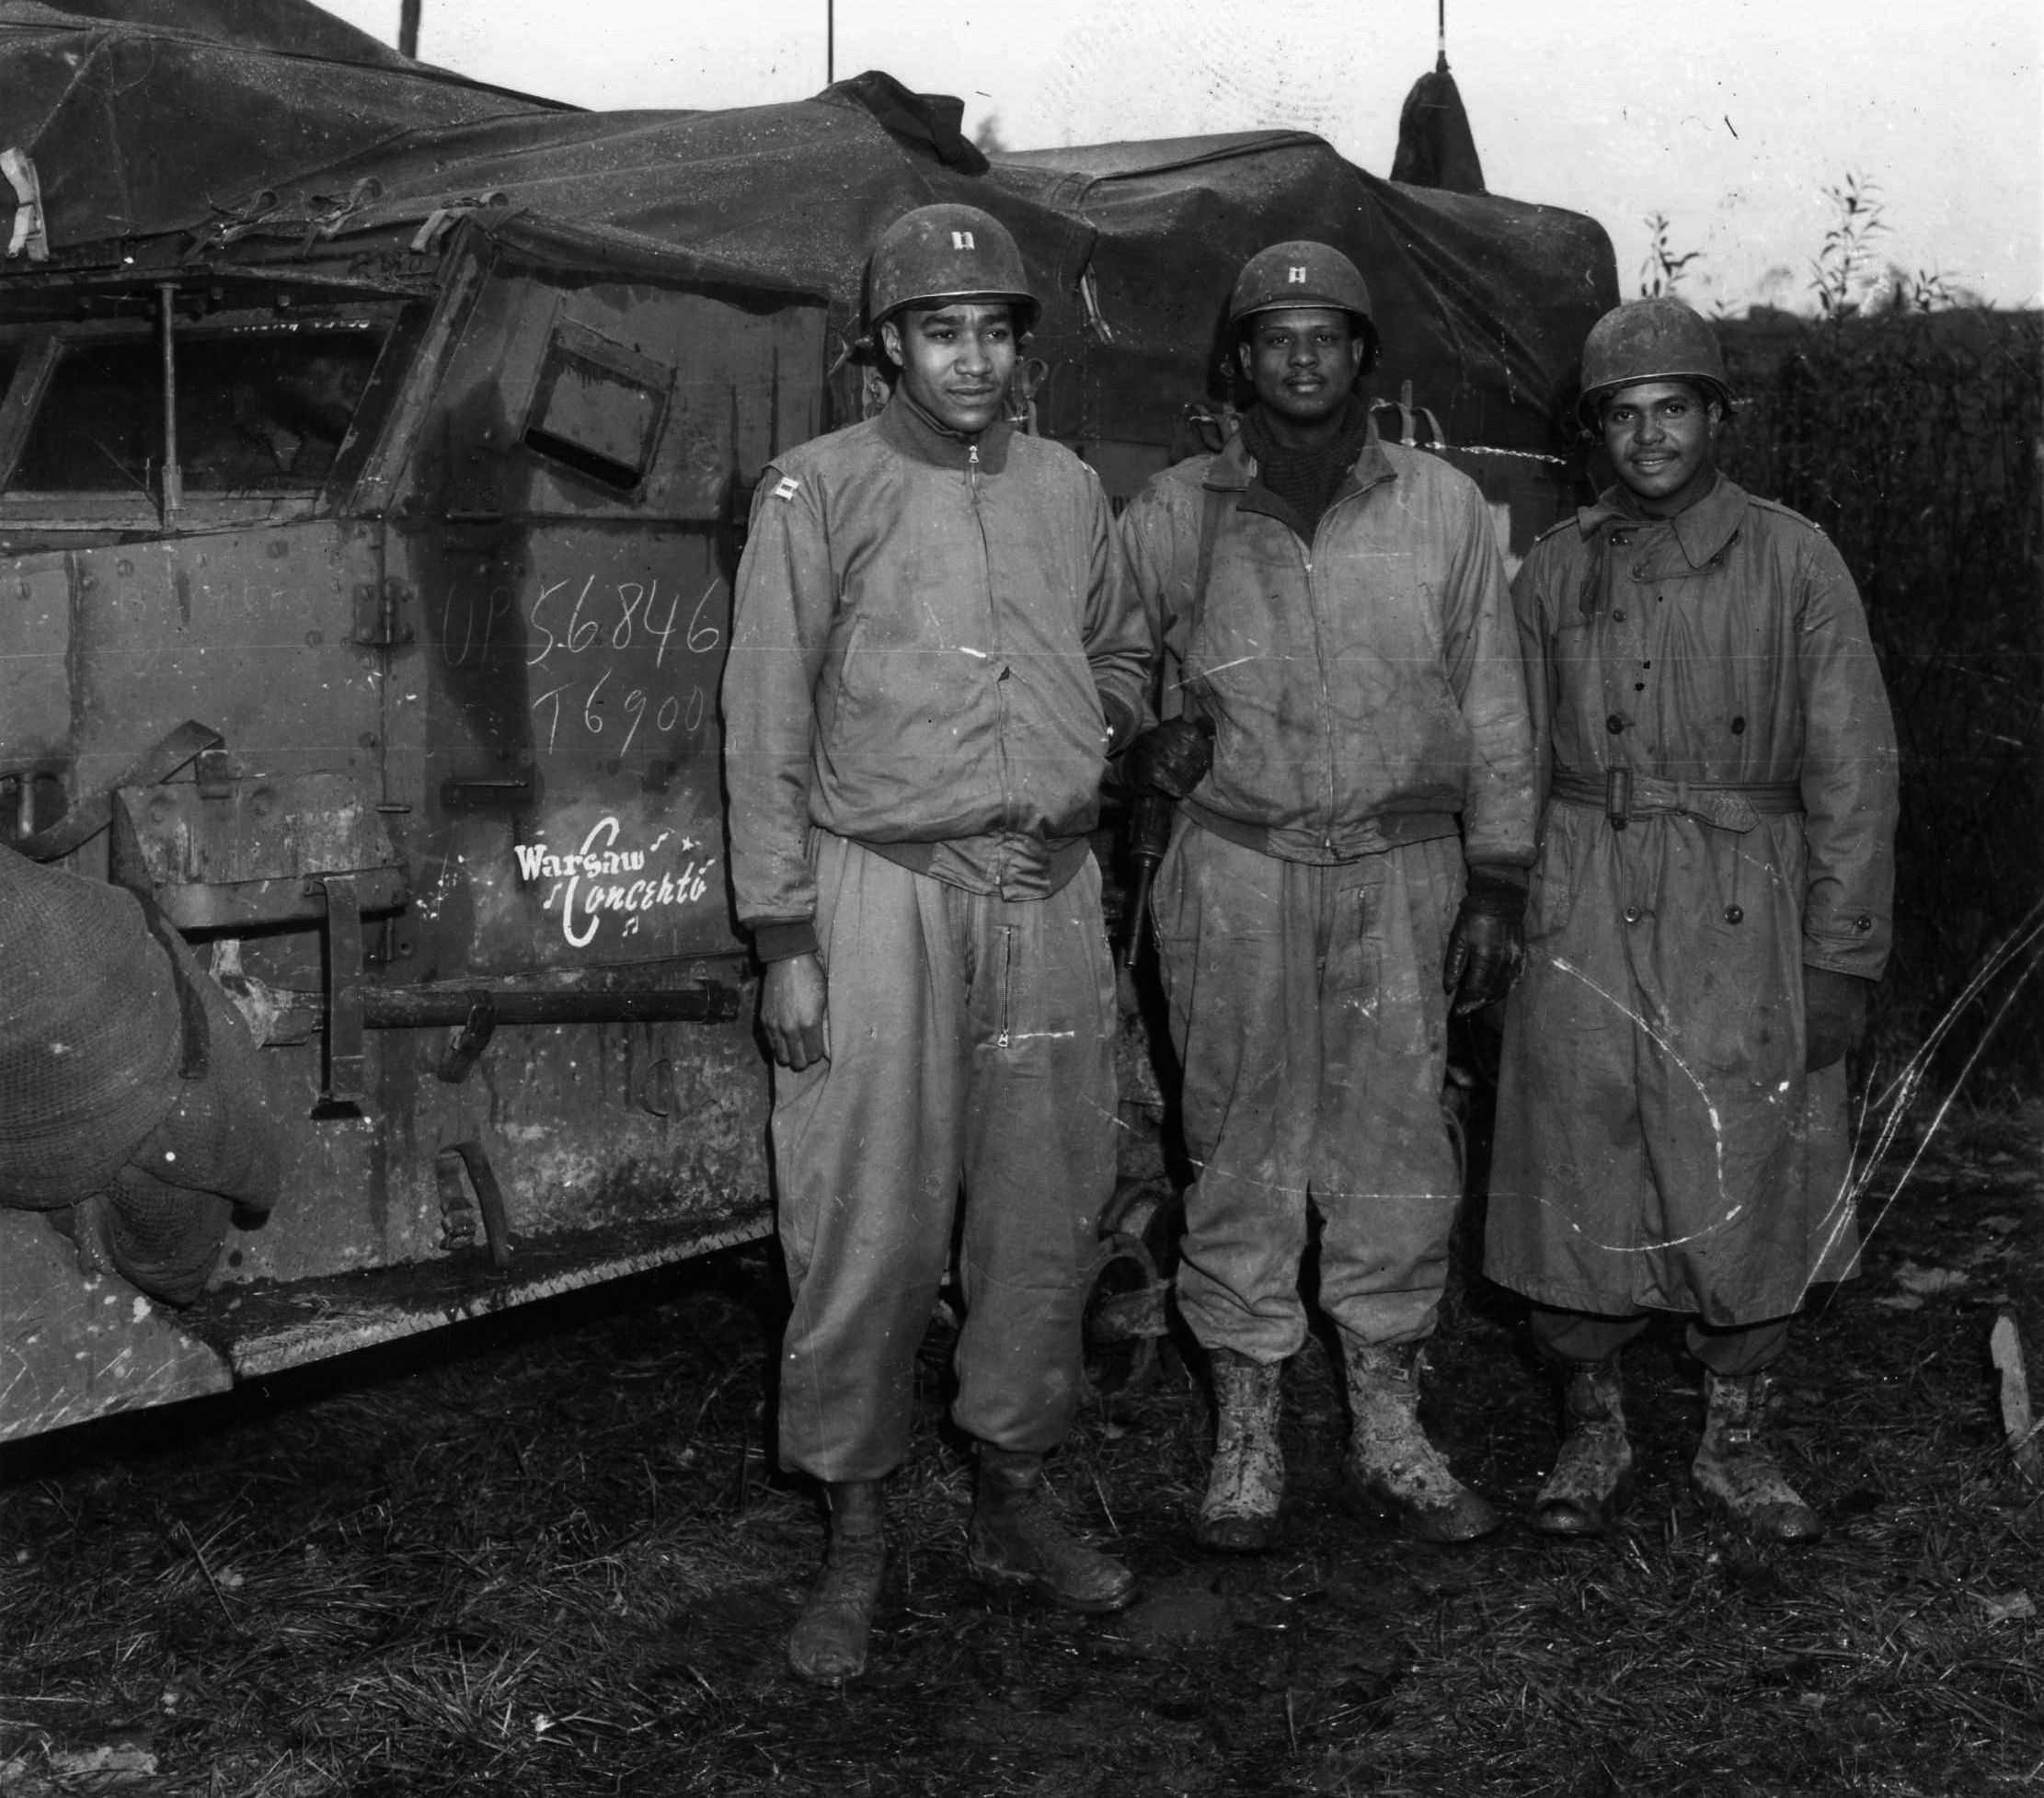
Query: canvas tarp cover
[
  {"x": 1483, "y": 302},
  {"x": 140, "y": 114}
]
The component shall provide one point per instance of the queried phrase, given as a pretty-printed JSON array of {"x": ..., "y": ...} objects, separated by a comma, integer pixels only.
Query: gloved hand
[
  {"x": 1834, "y": 1015},
  {"x": 1171, "y": 758},
  {"x": 1487, "y": 945}
]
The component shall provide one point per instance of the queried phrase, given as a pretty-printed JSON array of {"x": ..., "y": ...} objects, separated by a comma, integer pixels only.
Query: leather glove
[
  {"x": 1834, "y": 1015},
  {"x": 1487, "y": 945},
  {"x": 1171, "y": 758}
]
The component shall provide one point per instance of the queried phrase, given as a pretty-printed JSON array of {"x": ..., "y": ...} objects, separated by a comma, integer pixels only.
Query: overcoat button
[
  {"x": 1733, "y": 914},
  {"x": 1738, "y": 726},
  {"x": 1615, "y": 724},
  {"x": 1618, "y": 618},
  {"x": 1863, "y": 923},
  {"x": 1632, "y": 914}
]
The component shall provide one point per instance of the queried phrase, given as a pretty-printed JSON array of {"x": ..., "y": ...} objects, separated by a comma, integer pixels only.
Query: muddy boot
[
  {"x": 1015, "y": 1538},
  {"x": 1391, "y": 1466},
  {"x": 1245, "y": 1484},
  {"x": 826, "y": 1645},
  {"x": 1592, "y": 1476},
  {"x": 1734, "y": 1471}
]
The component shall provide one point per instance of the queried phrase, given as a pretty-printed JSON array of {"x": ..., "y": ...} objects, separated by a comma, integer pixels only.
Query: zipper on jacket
[
  {"x": 996, "y": 648},
  {"x": 1320, "y": 650},
  {"x": 1326, "y": 689},
  {"x": 1008, "y": 984}
]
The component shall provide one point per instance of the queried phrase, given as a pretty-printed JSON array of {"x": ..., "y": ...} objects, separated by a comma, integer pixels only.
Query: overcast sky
[{"x": 1730, "y": 116}]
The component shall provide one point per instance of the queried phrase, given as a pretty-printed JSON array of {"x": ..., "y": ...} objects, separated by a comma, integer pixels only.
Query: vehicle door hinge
[{"x": 380, "y": 608}]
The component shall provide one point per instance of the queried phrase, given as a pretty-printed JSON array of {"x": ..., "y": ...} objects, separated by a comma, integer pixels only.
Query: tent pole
[
  {"x": 407, "y": 28},
  {"x": 830, "y": 41}
]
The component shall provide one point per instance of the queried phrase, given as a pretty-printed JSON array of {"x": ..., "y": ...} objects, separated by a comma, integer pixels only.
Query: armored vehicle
[{"x": 375, "y": 452}]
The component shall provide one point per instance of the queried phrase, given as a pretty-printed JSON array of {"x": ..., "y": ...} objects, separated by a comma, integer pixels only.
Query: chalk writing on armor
[{"x": 602, "y": 883}]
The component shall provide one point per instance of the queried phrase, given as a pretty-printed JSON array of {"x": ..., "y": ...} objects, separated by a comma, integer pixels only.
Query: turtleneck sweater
[{"x": 1306, "y": 480}]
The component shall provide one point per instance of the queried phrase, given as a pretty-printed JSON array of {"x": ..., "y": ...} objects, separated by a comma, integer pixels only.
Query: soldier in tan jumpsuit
[
  {"x": 1355, "y": 765},
  {"x": 934, "y": 650}
]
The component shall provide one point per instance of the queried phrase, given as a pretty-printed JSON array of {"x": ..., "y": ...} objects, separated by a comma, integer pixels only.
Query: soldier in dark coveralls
[
  {"x": 1352, "y": 752},
  {"x": 1709, "y": 912},
  {"x": 934, "y": 651}
]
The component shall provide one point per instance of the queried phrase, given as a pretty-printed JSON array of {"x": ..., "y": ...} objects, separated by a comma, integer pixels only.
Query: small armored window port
[{"x": 597, "y": 408}]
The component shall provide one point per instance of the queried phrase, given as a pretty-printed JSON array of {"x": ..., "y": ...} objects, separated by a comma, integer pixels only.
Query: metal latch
[
  {"x": 459, "y": 1229},
  {"x": 466, "y": 1049},
  {"x": 216, "y": 779},
  {"x": 346, "y": 1062}
]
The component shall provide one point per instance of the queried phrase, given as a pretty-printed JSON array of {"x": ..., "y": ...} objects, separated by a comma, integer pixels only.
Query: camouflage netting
[
  {"x": 90, "y": 1034},
  {"x": 100, "y": 1123}
]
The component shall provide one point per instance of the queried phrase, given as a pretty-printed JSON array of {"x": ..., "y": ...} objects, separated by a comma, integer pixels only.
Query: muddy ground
[{"x": 550, "y": 1556}]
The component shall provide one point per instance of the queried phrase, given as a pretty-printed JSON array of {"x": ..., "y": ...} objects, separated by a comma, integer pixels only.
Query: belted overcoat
[{"x": 1719, "y": 767}]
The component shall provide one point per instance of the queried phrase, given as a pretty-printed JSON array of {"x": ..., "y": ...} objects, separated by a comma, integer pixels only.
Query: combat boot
[
  {"x": 1592, "y": 1475},
  {"x": 1245, "y": 1484},
  {"x": 1733, "y": 1470},
  {"x": 1391, "y": 1466},
  {"x": 826, "y": 1645},
  {"x": 1015, "y": 1538}
]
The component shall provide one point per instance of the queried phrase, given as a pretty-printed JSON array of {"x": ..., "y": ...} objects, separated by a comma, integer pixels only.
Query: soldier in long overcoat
[{"x": 1709, "y": 912}]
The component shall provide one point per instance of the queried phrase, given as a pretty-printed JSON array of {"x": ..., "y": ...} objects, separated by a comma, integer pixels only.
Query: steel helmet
[
  {"x": 949, "y": 252},
  {"x": 1649, "y": 340},
  {"x": 1303, "y": 273}
]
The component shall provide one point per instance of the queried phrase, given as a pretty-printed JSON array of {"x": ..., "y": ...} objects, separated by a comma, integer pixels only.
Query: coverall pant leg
[
  {"x": 1308, "y": 1013},
  {"x": 971, "y": 1043},
  {"x": 1730, "y": 1351}
]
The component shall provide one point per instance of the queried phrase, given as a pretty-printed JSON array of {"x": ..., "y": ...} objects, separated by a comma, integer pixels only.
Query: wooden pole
[
  {"x": 173, "y": 476},
  {"x": 407, "y": 28}
]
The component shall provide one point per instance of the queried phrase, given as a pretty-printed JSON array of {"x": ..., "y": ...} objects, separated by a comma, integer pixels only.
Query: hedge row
[{"x": 1916, "y": 440}]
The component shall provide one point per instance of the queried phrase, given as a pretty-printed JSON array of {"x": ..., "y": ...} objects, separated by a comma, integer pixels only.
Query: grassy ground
[{"x": 552, "y": 1559}]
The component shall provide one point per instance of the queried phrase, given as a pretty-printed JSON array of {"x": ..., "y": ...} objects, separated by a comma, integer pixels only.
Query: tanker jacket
[
  {"x": 934, "y": 642},
  {"x": 1363, "y": 688},
  {"x": 1720, "y": 771}
]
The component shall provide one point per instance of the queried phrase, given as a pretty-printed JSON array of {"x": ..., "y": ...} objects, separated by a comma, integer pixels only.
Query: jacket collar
[
  {"x": 1703, "y": 530},
  {"x": 1233, "y": 470},
  {"x": 915, "y": 433}
]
